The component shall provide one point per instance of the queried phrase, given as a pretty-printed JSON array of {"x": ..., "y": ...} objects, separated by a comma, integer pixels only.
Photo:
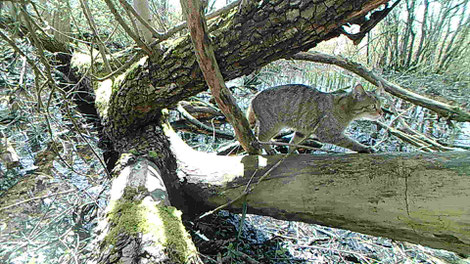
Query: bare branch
[
  {"x": 141, "y": 19},
  {"x": 442, "y": 109},
  {"x": 101, "y": 47},
  {"x": 37, "y": 198},
  {"x": 201, "y": 125},
  {"x": 183, "y": 25},
  {"x": 126, "y": 28}
]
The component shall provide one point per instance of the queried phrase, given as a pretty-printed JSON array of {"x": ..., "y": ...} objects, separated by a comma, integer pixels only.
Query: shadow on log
[{"x": 418, "y": 197}]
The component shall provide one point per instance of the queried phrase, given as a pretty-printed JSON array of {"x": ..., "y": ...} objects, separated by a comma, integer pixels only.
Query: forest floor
[{"x": 268, "y": 240}]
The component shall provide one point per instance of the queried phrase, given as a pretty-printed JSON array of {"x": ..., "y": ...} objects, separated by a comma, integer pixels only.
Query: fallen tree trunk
[{"x": 417, "y": 197}]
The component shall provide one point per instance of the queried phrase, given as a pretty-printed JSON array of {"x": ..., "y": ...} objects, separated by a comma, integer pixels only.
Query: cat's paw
[
  {"x": 270, "y": 152},
  {"x": 367, "y": 150},
  {"x": 256, "y": 144}
]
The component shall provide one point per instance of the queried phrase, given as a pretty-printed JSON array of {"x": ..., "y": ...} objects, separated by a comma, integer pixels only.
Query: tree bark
[
  {"x": 413, "y": 197},
  {"x": 142, "y": 223},
  {"x": 194, "y": 12},
  {"x": 140, "y": 226}
]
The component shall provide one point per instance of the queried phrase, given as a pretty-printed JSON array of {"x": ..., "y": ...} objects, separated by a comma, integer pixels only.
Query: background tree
[{"x": 422, "y": 35}]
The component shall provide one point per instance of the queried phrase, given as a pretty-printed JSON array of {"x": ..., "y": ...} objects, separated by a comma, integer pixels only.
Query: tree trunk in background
[
  {"x": 143, "y": 9},
  {"x": 437, "y": 28},
  {"x": 454, "y": 47},
  {"x": 61, "y": 21},
  {"x": 423, "y": 33}
]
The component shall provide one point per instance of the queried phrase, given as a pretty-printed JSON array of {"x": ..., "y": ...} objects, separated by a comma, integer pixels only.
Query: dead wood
[{"x": 417, "y": 197}]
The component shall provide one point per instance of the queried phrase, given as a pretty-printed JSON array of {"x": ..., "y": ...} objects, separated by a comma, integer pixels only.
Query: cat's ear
[{"x": 358, "y": 91}]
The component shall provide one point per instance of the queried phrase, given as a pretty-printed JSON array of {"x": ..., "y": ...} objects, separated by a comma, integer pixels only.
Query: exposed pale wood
[{"x": 139, "y": 225}]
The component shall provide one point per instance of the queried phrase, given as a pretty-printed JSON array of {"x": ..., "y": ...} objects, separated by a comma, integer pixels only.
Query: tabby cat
[{"x": 302, "y": 108}]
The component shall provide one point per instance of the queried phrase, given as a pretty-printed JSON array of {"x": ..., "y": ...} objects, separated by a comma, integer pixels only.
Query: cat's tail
[{"x": 250, "y": 115}]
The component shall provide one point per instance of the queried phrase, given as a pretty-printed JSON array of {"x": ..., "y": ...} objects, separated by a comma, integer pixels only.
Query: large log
[{"x": 417, "y": 197}]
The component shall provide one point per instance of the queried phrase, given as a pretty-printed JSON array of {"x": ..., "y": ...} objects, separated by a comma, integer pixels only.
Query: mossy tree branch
[{"x": 242, "y": 42}]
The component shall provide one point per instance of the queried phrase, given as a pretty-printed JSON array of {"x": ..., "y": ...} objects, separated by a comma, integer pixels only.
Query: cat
[{"x": 302, "y": 108}]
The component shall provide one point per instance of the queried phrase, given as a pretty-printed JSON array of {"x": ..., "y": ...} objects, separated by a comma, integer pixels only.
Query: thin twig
[
  {"x": 121, "y": 69},
  {"x": 17, "y": 49},
  {"x": 36, "y": 198},
  {"x": 406, "y": 137},
  {"x": 91, "y": 23},
  {"x": 201, "y": 125},
  {"x": 183, "y": 24},
  {"x": 442, "y": 109},
  {"x": 123, "y": 24},
  {"x": 248, "y": 188},
  {"x": 297, "y": 146},
  {"x": 141, "y": 19}
]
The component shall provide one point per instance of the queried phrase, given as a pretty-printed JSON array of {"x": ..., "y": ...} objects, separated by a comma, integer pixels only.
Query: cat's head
[{"x": 365, "y": 105}]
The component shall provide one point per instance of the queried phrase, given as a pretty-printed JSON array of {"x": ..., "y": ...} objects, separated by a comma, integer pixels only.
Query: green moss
[
  {"x": 175, "y": 42},
  {"x": 153, "y": 154},
  {"x": 135, "y": 68},
  {"x": 134, "y": 152},
  {"x": 226, "y": 22},
  {"x": 105, "y": 89},
  {"x": 82, "y": 62},
  {"x": 162, "y": 222},
  {"x": 427, "y": 221}
]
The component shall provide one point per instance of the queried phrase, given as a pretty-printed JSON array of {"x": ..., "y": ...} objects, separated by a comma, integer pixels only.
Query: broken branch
[{"x": 197, "y": 25}]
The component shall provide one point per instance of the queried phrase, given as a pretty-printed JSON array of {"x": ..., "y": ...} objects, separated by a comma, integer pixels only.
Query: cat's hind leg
[
  {"x": 266, "y": 132},
  {"x": 296, "y": 139}
]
